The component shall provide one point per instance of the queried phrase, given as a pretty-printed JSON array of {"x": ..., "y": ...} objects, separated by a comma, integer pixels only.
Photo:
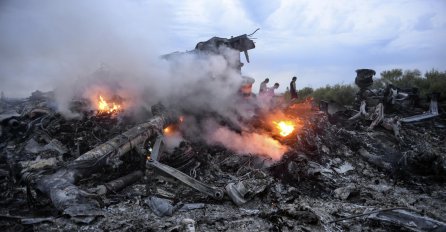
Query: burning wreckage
[{"x": 288, "y": 168}]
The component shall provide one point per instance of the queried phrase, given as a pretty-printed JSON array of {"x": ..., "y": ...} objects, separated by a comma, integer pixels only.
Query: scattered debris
[
  {"x": 161, "y": 207},
  {"x": 433, "y": 111},
  {"x": 378, "y": 100},
  {"x": 108, "y": 172},
  {"x": 344, "y": 193},
  {"x": 243, "y": 191}
]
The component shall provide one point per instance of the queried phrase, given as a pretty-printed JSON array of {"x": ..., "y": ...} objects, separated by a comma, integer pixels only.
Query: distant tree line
[{"x": 432, "y": 81}]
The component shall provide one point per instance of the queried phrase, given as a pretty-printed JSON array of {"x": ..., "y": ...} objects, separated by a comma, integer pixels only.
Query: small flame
[
  {"x": 285, "y": 127},
  {"x": 174, "y": 128},
  {"x": 105, "y": 107}
]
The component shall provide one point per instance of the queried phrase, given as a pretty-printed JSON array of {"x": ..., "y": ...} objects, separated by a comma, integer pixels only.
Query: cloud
[
  {"x": 325, "y": 41},
  {"x": 200, "y": 20},
  {"x": 48, "y": 42},
  {"x": 322, "y": 41},
  {"x": 260, "y": 10}
]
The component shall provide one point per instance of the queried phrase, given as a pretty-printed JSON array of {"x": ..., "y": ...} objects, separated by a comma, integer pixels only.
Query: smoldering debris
[
  {"x": 180, "y": 143},
  {"x": 332, "y": 177}
]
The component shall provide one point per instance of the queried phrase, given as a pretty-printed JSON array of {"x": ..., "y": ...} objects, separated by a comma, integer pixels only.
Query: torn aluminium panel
[{"x": 433, "y": 111}]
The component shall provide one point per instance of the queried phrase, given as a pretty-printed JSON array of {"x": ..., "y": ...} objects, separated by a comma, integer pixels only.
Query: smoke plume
[
  {"x": 83, "y": 49},
  {"x": 248, "y": 143}
]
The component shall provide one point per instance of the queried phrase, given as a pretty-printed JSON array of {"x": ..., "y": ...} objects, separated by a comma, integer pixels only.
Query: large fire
[
  {"x": 105, "y": 107},
  {"x": 285, "y": 127},
  {"x": 284, "y": 123}
]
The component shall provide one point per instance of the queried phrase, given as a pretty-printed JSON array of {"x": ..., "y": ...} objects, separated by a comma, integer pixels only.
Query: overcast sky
[{"x": 321, "y": 42}]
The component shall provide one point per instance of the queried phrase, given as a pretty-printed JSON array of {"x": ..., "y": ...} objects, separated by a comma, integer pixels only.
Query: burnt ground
[{"x": 335, "y": 169}]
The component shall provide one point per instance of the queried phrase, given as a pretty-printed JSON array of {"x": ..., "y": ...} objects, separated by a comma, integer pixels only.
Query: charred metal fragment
[
  {"x": 244, "y": 190},
  {"x": 213, "y": 192},
  {"x": 374, "y": 159},
  {"x": 364, "y": 78},
  {"x": 409, "y": 220},
  {"x": 61, "y": 187},
  {"x": 186, "y": 179},
  {"x": 215, "y": 45},
  {"x": 118, "y": 184},
  {"x": 377, "y": 118},
  {"x": 433, "y": 111}
]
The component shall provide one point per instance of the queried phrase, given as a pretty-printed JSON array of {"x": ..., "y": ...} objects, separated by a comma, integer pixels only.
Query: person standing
[
  {"x": 270, "y": 91},
  {"x": 271, "y": 96},
  {"x": 293, "y": 90},
  {"x": 263, "y": 87}
]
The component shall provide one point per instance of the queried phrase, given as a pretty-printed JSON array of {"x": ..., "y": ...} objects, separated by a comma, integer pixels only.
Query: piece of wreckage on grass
[
  {"x": 374, "y": 103},
  {"x": 393, "y": 109}
]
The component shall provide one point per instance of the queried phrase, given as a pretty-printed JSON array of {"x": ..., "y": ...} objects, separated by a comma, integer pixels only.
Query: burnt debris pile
[{"x": 114, "y": 172}]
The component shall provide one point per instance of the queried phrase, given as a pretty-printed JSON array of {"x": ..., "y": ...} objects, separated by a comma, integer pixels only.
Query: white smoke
[
  {"x": 248, "y": 143},
  {"x": 90, "y": 48},
  {"x": 55, "y": 45},
  {"x": 48, "y": 44}
]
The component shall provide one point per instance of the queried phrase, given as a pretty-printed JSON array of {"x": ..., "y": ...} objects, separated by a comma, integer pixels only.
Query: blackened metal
[
  {"x": 60, "y": 186},
  {"x": 213, "y": 192},
  {"x": 120, "y": 183}
]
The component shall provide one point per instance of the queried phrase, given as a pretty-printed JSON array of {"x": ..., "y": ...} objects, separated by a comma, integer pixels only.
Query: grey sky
[{"x": 320, "y": 41}]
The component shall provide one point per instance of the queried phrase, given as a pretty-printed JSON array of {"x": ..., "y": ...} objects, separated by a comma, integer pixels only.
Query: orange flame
[
  {"x": 167, "y": 130},
  {"x": 105, "y": 107},
  {"x": 285, "y": 127}
]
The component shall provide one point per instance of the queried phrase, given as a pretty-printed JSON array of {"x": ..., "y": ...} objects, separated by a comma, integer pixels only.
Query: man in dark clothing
[
  {"x": 293, "y": 89},
  {"x": 263, "y": 86}
]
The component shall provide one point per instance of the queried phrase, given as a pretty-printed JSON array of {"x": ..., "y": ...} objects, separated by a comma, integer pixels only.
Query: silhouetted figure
[
  {"x": 263, "y": 86},
  {"x": 270, "y": 91},
  {"x": 293, "y": 90}
]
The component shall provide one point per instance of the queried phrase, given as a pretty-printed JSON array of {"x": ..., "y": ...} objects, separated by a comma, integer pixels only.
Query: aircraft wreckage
[{"x": 108, "y": 172}]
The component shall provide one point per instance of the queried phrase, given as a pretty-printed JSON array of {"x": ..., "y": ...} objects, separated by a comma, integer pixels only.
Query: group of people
[
  {"x": 266, "y": 94},
  {"x": 265, "y": 91}
]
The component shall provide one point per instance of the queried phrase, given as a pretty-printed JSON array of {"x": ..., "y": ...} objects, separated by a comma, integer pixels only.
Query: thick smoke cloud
[
  {"x": 44, "y": 43},
  {"x": 108, "y": 46},
  {"x": 83, "y": 49}
]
